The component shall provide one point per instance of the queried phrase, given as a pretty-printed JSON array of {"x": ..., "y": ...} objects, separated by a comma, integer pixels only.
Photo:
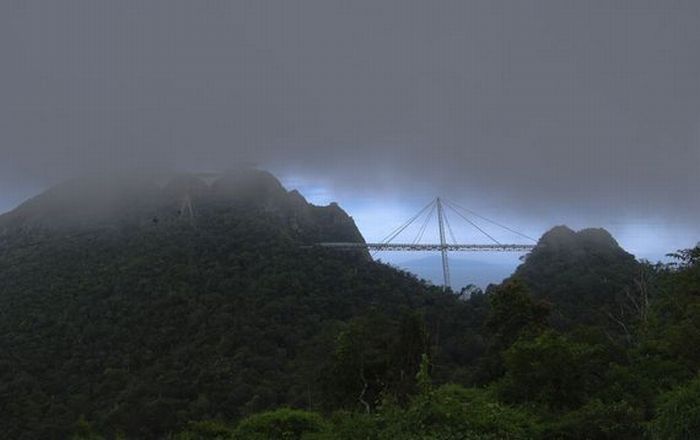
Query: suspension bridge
[{"x": 439, "y": 208}]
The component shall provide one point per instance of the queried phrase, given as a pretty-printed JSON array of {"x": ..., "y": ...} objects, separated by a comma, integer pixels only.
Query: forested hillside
[
  {"x": 140, "y": 318},
  {"x": 126, "y": 314},
  {"x": 582, "y": 274},
  {"x": 633, "y": 377}
]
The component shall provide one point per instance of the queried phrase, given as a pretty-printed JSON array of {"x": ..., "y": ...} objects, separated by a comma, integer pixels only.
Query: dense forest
[{"x": 125, "y": 313}]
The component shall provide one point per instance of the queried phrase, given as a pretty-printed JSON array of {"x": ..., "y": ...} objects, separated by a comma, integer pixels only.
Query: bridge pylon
[
  {"x": 443, "y": 244},
  {"x": 437, "y": 206}
]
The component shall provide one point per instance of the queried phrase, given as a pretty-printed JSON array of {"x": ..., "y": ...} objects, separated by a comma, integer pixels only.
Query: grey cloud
[{"x": 590, "y": 108}]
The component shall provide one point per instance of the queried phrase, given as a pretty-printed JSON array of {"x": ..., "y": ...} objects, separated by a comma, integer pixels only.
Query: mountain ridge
[
  {"x": 155, "y": 323},
  {"x": 142, "y": 323},
  {"x": 580, "y": 272},
  {"x": 137, "y": 200}
]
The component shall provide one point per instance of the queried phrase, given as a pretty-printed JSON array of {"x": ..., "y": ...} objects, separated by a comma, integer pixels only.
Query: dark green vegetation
[
  {"x": 581, "y": 272},
  {"x": 120, "y": 317}
]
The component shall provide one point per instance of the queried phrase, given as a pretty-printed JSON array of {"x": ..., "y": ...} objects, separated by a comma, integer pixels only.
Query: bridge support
[{"x": 443, "y": 245}]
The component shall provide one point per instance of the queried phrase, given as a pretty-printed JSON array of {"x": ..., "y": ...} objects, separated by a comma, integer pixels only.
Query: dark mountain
[
  {"x": 121, "y": 305},
  {"x": 581, "y": 273},
  {"x": 140, "y": 308},
  {"x": 136, "y": 200}
]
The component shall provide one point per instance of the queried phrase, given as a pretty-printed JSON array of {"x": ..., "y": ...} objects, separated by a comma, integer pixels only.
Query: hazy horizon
[
  {"x": 376, "y": 218},
  {"x": 533, "y": 113}
]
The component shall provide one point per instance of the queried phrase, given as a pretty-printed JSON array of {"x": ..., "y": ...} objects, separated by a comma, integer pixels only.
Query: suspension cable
[
  {"x": 425, "y": 225},
  {"x": 473, "y": 224},
  {"x": 401, "y": 228},
  {"x": 490, "y": 221},
  {"x": 449, "y": 228}
]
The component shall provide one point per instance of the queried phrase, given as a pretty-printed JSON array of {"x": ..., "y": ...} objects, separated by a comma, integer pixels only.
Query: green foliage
[
  {"x": 453, "y": 412},
  {"x": 156, "y": 325},
  {"x": 142, "y": 327},
  {"x": 514, "y": 313},
  {"x": 423, "y": 376},
  {"x": 641, "y": 381},
  {"x": 550, "y": 370},
  {"x": 206, "y": 430},
  {"x": 580, "y": 273},
  {"x": 283, "y": 424},
  {"x": 84, "y": 431},
  {"x": 598, "y": 420},
  {"x": 448, "y": 412},
  {"x": 678, "y": 414},
  {"x": 687, "y": 258},
  {"x": 361, "y": 363},
  {"x": 680, "y": 338},
  {"x": 351, "y": 425},
  {"x": 375, "y": 356}
]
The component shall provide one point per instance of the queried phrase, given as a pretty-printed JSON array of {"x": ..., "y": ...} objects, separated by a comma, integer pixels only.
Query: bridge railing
[{"x": 432, "y": 247}]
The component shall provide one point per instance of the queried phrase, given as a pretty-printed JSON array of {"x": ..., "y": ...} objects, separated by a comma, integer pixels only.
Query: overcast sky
[{"x": 534, "y": 112}]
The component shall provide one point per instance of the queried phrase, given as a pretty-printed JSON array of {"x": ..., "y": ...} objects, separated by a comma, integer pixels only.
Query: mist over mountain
[{"x": 141, "y": 200}]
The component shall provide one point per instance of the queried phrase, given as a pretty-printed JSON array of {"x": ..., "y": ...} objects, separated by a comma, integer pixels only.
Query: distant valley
[{"x": 480, "y": 270}]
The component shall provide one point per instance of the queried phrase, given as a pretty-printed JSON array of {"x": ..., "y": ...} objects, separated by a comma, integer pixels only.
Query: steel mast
[
  {"x": 443, "y": 244},
  {"x": 438, "y": 204}
]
